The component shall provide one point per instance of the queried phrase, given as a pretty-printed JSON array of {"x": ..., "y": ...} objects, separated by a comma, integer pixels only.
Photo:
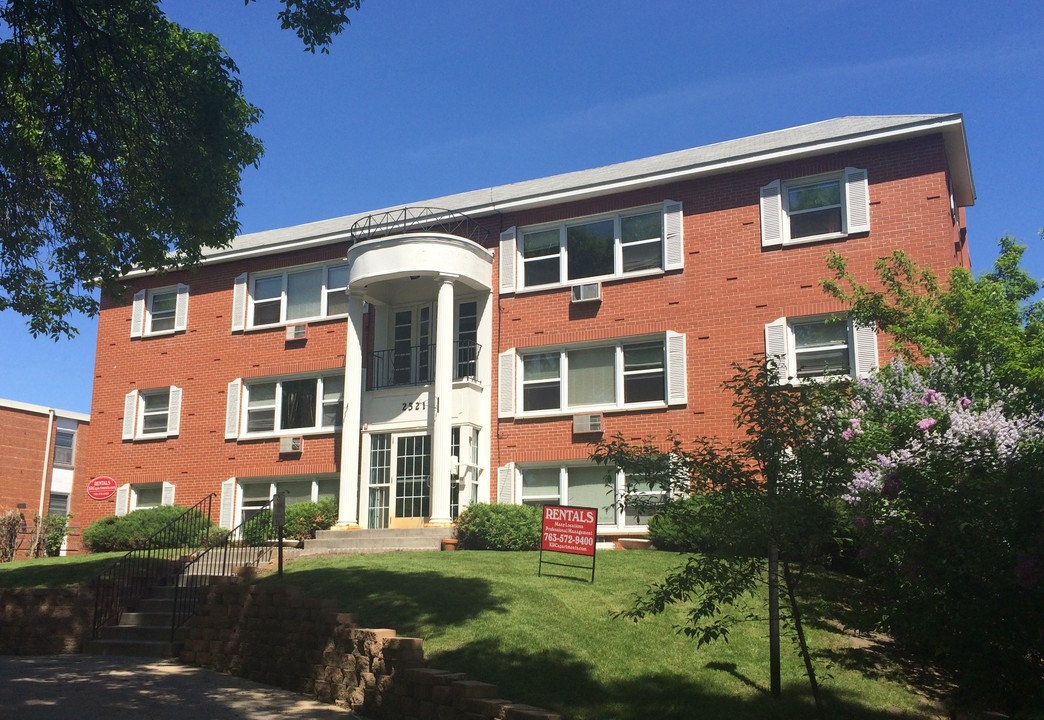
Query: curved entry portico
[{"x": 417, "y": 376}]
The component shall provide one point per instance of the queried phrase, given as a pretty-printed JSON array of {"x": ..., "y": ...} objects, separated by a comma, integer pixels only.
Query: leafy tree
[
  {"x": 122, "y": 139},
  {"x": 989, "y": 321},
  {"x": 769, "y": 500}
]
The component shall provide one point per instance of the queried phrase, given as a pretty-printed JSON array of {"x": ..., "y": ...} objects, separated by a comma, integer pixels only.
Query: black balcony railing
[{"x": 415, "y": 364}]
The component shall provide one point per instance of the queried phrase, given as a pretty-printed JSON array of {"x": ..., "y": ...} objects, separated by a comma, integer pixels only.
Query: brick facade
[{"x": 729, "y": 288}]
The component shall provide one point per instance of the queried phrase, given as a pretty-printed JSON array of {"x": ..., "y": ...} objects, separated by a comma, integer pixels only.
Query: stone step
[
  {"x": 142, "y": 633},
  {"x": 146, "y": 619},
  {"x": 373, "y": 541},
  {"x": 390, "y": 533},
  {"x": 134, "y": 648}
]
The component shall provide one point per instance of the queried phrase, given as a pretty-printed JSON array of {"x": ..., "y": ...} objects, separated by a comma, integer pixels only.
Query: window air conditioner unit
[
  {"x": 289, "y": 445},
  {"x": 296, "y": 332},
  {"x": 590, "y": 423},
  {"x": 587, "y": 292}
]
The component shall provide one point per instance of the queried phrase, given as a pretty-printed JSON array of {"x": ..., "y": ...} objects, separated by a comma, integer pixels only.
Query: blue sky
[{"x": 421, "y": 99}]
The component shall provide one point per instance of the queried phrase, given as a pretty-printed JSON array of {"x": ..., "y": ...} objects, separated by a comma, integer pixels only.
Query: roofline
[
  {"x": 42, "y": 410},
  {"x": 951, "y": 126}
]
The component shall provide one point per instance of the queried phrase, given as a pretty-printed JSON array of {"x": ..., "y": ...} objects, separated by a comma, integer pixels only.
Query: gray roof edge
[
  {"x": 814, "y": 138},
  {"x": 44, "y": 410}
]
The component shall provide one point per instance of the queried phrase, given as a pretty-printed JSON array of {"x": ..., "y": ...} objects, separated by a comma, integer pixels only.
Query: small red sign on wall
[
  {"x": 101, "y": 488},
  {"x": 569, "y": 529}
]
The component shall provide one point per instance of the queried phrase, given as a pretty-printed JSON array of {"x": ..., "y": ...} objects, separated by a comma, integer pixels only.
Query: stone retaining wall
[
  {"x": 273, "y": 635},
  {"x": 45, "y": 621}
]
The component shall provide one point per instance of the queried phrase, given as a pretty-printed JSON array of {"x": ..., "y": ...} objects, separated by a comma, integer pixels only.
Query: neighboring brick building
[
  {"x": 483, "y": 333},
  {"x": 40, "y": 459}
]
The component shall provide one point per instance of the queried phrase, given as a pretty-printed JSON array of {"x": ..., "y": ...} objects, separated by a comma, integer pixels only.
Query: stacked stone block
[
  {"x": 45, "y": 621},
  {"x": 272, "y": 634}
]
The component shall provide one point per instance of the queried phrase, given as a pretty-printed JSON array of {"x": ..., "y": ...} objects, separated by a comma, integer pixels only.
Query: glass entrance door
[
  {"x": 413, "y": 476},
  {"x": 380, "y": 481}
]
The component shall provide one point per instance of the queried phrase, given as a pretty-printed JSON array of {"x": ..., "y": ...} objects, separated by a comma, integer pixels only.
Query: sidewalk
[{"x": 82, "y": 687}]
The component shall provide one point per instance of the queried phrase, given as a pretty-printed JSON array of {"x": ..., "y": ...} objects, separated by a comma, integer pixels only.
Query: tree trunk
[
  {"x": 809, "y": 669},
  {"x": 773, "y": 608}
]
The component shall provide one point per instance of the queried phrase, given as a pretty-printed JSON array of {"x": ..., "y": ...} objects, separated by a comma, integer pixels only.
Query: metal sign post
[{"x": 279, "y": 520}]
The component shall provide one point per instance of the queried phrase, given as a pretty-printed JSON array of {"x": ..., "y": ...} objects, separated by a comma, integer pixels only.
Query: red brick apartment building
[
  {"x": 41, "y": 459},
  {"x": 413, "y": 360}
]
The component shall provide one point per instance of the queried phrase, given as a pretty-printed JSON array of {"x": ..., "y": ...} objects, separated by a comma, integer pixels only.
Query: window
[
  {"x": 819, "y": 346},
  {"x": 640, "y": 241},
  {"x": 255, "y": 494},
  {"x": 159, "y": 311},
  {"x": 142, "y": 496},
  {"x": 64, "y": 447},
  {"x": 305, "y": 404},
  {"x": 149, "y": 414},
  {"x": 296, "y": 295},
  {"x": 58, "y": 504},
  {"x": 624, "y": 374},
  {"x": 817, "y": 208},
  {"x": 588, "y": 486}
]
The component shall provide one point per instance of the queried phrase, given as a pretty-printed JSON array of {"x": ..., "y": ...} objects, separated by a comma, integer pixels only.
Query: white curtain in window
[
  {"x": 304, "y": 294},
  {"x": 591, "y": 374},
  {"x": 588, "y": 488}
]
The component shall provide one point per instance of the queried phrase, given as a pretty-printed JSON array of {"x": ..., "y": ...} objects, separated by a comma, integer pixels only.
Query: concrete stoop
[{"x": 376, "y": 541}]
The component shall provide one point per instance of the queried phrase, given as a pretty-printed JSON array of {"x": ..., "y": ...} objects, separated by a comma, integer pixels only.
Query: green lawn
[
  {"x": 56, "y": 571},
  {"x": 552, "y": 642}
]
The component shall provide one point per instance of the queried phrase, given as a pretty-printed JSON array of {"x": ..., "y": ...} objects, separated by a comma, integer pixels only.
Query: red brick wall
[
  {"x": 23, "y": 442},
  {"x": 729, "y": 289}
]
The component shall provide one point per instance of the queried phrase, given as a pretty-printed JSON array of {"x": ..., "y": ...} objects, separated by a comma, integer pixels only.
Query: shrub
[
  {"x": 499, "y": 527},
  {"x": 303, "y": 520},
  {"x": 10, "y": 522},
  {"x": 128, "y": 532},
  {"x": 677, "y": 526}
]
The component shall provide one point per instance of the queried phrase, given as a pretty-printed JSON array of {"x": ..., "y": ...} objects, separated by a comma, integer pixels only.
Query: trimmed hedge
[
  {"x": 113, "y": 533},
  {"x": 303, "y": 520},
  {"x": 677, "y": 527},
  {"x": 499, "y": 527}
]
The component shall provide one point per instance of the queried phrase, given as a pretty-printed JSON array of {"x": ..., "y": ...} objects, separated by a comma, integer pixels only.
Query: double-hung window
[
  {"x": 823, "y": 207},
  {"x": 641, "y": 241},
  {"x": 295, "y": 295},
  {"x": 301, "y": 404},
  {"x": 626, "y": 373},
  {"x": 152, "y": 414},
  {"x": 64, "y": 447},
  {"x": 160, "y": 311},
  {"x": 820, "y": 346}
]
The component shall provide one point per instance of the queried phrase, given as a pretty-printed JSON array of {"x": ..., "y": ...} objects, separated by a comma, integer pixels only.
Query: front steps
[
  {"x": 144, "y": 631},
  {"x": 376, "y": 541}
]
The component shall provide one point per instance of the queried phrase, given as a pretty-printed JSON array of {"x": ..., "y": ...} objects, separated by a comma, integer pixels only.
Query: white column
[
  {"x": 348, "y": 503},
  {"x": 442, "y": 424}
]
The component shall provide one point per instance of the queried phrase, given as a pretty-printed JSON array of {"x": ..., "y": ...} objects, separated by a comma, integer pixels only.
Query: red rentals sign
[
  {"x": 101, "y": 488},
  {"x": 569, "y": 529}
]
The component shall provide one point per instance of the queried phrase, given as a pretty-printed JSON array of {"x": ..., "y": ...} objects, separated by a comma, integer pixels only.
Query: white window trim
[
  {"x": 127, "y": 496},
  {"x": 511, "y": 384},
  {"x": 141, "y": 311},
  {"x": 863, "y": 355},
  {"x": 514, "y": 472},
  {"x": 855, "y": 207},
  {"x": 134, "y": 414},
  {"x": 244, "y": 284},
  {"x": 238, "y": 399},
  {"x": 232, "y": 491},
  {"x": 672, "y": 257}
]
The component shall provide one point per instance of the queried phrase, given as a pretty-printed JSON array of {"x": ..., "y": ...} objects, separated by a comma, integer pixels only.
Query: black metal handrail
[
  {"x": 415, "y": 364},
  {"x": 156, "y": 559},
  {"x": 245, "y": 545}
]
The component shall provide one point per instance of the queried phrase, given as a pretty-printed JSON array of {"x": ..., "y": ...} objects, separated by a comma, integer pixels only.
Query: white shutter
[
  {"x": 506, "y": 384},
  {"x": 235, "y": 389},
  {"x": 122, "y": 499},
  {"x": 673, "y": 236},
  {"x": 857, "y": 201},
  {"x": 174, "y": 411},
  {"x": 168, "y": 494},
  {"x": 772, "y": 214},
  {"x": 776, "y": 346},
  {"x": 239, "y": 300},
  {"x": 507, "y": 260},
  {"x": 181, "y": 309},
  {"x": 137, "y": 314},
  {"x": 865, "y": 338},
  {"x": 506, "y": 484},
  {"x": 130, "y": 414},
  {"x": 677, "y": 378},
  {"x": 228, "y": 497}
]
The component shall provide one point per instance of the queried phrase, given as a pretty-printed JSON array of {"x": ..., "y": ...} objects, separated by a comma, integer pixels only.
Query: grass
[{"x": 552, "y": 641}]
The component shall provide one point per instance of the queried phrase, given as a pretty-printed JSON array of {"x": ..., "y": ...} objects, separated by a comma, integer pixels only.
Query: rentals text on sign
[{"x": 569, "y": 529}]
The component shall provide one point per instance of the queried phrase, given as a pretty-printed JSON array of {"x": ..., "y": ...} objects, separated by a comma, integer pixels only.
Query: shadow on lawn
[
  {"x": 410, "y": 602},
  {"x": 564, "y": 683},
  {"x": 36, "y": 573}
]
